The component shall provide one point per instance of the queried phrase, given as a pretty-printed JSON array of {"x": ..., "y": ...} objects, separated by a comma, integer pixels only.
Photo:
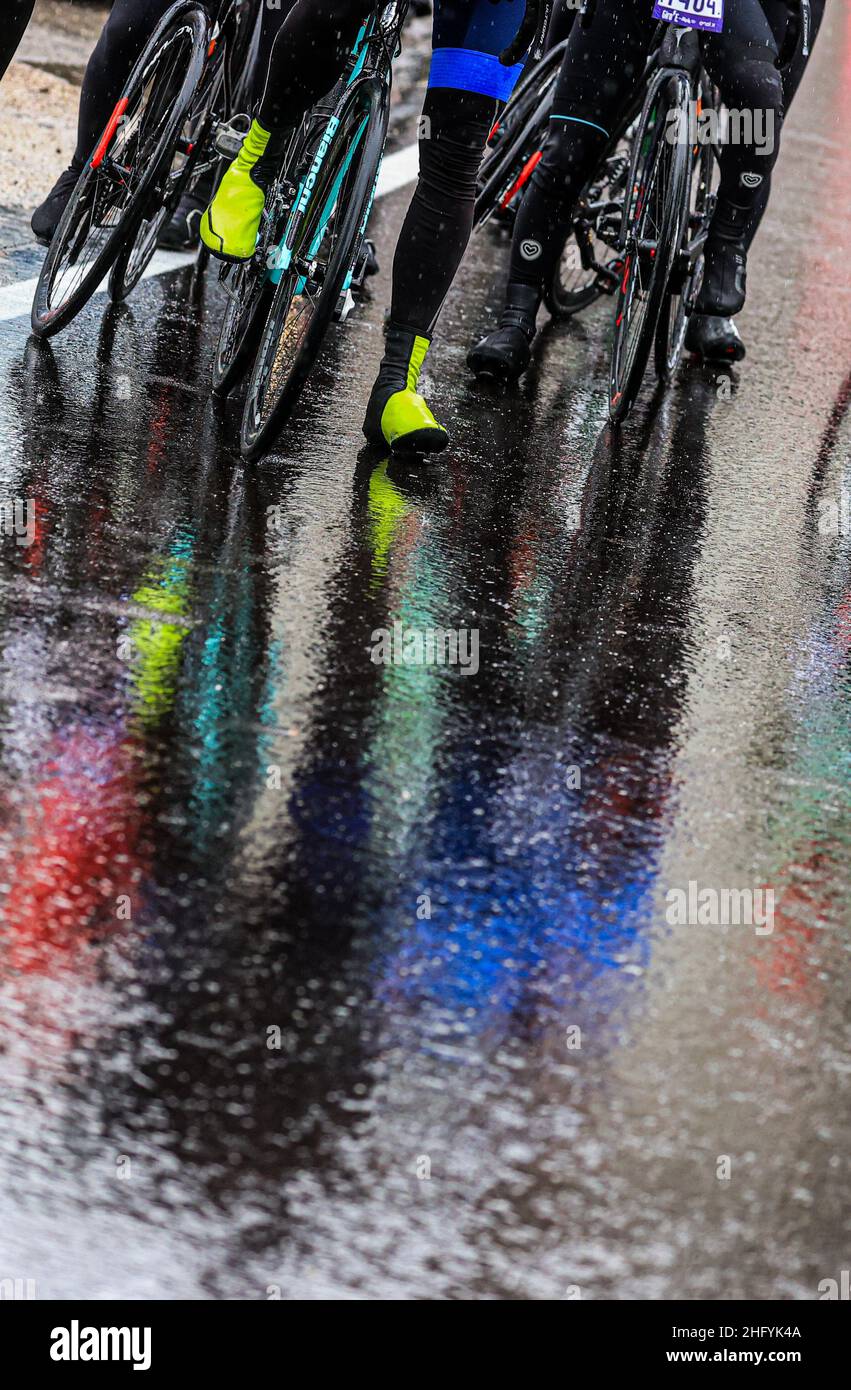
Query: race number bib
[{"x": 694, "y": 14}]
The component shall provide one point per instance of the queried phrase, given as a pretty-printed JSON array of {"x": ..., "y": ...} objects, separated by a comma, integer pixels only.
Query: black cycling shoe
[
  {"x": 714, "y": 338},
  {"x": 48, "y": 214},
  {"x": 725, "y": 278},
  {"x": 505, "y": 354},
  {"x": 181, "y": 232}
]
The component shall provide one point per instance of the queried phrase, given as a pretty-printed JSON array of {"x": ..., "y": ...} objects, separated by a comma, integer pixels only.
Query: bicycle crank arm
[
  {"x": 608, "y": 276},
  {"x": 694, "y": 248}
]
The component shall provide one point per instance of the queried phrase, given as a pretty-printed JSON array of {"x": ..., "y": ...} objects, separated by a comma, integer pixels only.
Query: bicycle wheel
[
  {"x": 249, "y": 288},
  {"x": 516, "y": 139},
  {"x": 195, "y": 154},
  {"x": 589, "y": 265},
  {"x": 249, "y": 293},
  {"x": 321, "y": 244},
  {"x": 119, "y": 181},
  {"x": 656, "y": 199},
  {"x": 687, "y": 271}
]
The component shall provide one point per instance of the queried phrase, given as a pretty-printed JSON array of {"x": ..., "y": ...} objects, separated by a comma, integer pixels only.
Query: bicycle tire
[
  {"x": 263, "y": 418},
  {"x": 523, "y": 123},
  {"x": 680, "y": 299},
  {"x": 630, "y": 354},
  {"x": 186, "y": 19},
  {"x": 249, "y": 301}
]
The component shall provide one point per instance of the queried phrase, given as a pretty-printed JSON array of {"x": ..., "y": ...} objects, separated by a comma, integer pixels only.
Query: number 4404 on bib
[{"x": 694, "y": 14}]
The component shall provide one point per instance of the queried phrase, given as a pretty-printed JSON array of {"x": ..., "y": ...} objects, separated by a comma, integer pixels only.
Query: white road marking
[
  {"x": 16, "y": 299},
  {"x": 397, "y": 170}
]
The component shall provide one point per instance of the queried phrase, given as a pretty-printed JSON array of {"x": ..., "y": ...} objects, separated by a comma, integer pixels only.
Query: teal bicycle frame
[{"x": 369, "y": 61}]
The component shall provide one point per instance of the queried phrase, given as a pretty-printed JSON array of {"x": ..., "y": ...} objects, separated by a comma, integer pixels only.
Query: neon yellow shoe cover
[
  {"x": 230, "y": 225},
  {"x": 406, "y": 423}
]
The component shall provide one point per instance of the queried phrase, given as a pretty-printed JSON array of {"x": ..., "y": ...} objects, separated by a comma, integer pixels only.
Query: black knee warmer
[
  {"x": 437, "y": 227},
  {"x": 570, "y": 154},
  {"x": 752, "y": 89}
]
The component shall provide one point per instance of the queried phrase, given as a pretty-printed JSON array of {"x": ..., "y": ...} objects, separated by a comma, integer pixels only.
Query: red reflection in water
[{"x": 75, "y": 855}]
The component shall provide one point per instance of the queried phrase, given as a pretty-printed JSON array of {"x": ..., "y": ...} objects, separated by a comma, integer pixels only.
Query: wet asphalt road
[{"x": 219, "y": 818}]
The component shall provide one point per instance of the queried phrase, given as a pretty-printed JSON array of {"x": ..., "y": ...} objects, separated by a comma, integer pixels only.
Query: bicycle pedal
[
  {"x": 610, "y": 226},
  {"x": 616, "y": 166},
  {"x": 609, "y": 276},
  {"x": 345, "y": 305},
  {"x": 230, "y": 135},
  {"x": 366, "y": 264}
]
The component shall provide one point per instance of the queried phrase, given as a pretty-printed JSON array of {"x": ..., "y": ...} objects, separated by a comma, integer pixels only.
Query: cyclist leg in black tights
[
  {"x": 16, "y": 18},
  {"x": 465, "y": 81},
  {"x": 602, "y": 67},
  {"x": 715, "y": 336},
  {"x": 561, "y": 22}
]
